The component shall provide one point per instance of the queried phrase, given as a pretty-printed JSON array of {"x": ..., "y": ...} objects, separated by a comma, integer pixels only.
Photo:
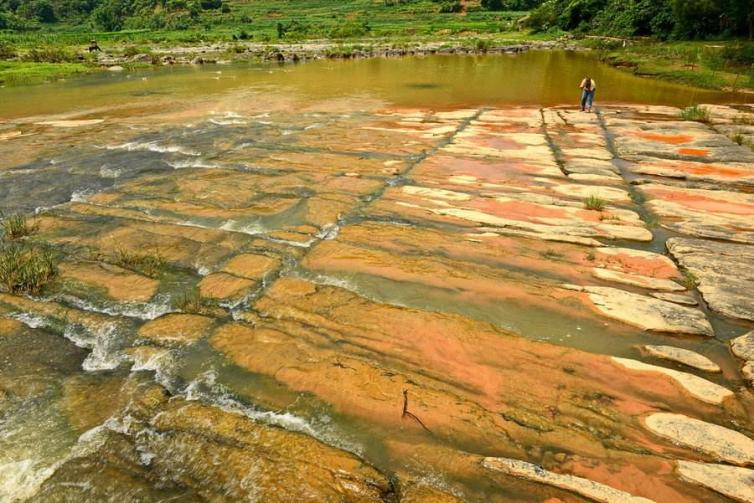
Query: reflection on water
[{"x": 537, "y": 77}]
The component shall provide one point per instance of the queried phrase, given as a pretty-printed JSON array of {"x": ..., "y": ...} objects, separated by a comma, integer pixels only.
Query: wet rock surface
[{"x": 356, "y": 302}]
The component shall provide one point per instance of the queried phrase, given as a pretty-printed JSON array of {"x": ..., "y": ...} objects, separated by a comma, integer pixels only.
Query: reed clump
[{"x": 26, "y": 268}]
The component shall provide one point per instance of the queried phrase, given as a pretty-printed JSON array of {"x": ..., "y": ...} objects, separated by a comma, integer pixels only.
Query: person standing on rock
[{"x": 588, "y": 87}]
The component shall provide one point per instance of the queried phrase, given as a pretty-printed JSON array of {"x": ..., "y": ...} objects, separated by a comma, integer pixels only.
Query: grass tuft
[
  {"x": 16, "y": 227},
  {"x": 192, "y": 302},
  {"x": 690, "y": 281},
  {"x": 595, "y": 203},
  {"x": 695, "y": 113},
  {"x": 150, "y": 265},
  {"x": 26, "y": 269}
]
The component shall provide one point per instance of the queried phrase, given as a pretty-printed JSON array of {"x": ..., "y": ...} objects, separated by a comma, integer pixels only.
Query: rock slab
[
  {"x": 721, "y": 443},
  {"x": 584, "y": 487}
]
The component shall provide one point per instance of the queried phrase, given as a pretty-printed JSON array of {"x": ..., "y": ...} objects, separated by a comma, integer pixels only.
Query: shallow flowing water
[{"x": 330, "y": 235}]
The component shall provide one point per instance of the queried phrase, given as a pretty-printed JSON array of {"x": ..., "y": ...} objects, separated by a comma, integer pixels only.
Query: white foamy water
[
  {"x": 142, "y": 311},
  {"x": 20, "y": 480},
  {"x": 106, "y": 171},
  {"x": 153, "y": 146},
  {"x": 192, "y": 163}
]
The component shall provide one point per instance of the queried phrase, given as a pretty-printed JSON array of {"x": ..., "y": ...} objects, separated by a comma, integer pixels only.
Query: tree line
[{"x": 677, "y": 19}]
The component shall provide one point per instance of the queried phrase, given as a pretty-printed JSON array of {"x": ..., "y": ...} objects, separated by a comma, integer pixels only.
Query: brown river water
[{"x": 342, "y": 308}]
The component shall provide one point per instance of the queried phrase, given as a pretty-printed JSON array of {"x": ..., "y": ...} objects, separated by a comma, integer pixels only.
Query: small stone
[
  {"x": 732, "y": 481},
  {"x": 115, "y": 68},
  {"x": 684, "y": 356},
  {"x": 721, "y": 443}
]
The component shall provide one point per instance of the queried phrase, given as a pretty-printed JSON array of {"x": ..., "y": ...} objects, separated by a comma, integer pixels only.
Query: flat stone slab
[
  {"x": 721, "y": 443},
  {"x": 675, "y": 298},
  {"x": 684, "y": 356},
  {"x": 648, "y": 313},
  {"x": 176, "y": 328},
  {"x": 224, "y": 286},
  {"x": 702, "y": 389},
  {"x": 725, "y": 273},
  {"x": 584, "y": 487},
  {"x": 637, "y": 280},
  {"x": 732, "y": 481}
]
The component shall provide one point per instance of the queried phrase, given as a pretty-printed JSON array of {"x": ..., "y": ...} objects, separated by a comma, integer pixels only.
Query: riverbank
[
  {"x": 717, "y": 66},
  {"x": 721, "y": 65},
  {"x": 33, "y": 66}
]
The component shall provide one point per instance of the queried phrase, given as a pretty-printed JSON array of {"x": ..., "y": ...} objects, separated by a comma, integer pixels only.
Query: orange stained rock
[
  {"x": 251, "y": 266},
  {"x": 695, "y": 152},
  {"x": 465, "y": 282},
  {"x": 673, "y": 139},
  {"x": 653, "y": 267},
  {"x": 176, "y": 328},
  {"x": 224, "y": 286},
  {"x": 703, "y": 168},
  {"x": 630, "y": 476},
  {"x": 522, "y": 210},
  {"x": 711, "y": 201},
  {"x": 467, "y": 381},
  {"x": 119, "y": 284}
]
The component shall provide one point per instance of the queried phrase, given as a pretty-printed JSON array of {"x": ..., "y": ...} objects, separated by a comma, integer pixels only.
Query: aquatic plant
[
  {"x": 595, "y": 203},
  {"x": 690, "y": 281},
  {"x": 695, "y": 113},
  {"x": 16, "y": 226},
  {"x": 147, "y": 264},
  {"x": 193, "y": 303},
  {"x": 26, "y": 268}
]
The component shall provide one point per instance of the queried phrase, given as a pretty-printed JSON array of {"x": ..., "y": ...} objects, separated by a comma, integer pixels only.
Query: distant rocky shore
[{"x": 224, "y": 53}]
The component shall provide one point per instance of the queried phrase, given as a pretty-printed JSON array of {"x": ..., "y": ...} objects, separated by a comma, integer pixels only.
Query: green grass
[
  {"x": 690, "y": 281},
  {"x": 16, "y": 227},
  {"x": 193, "y": 303},
  {"x": 150, "y": 265},
  {"x": 695, "y": 113},
  {"x": 595, "y": 203},
  {"x": 26, "y": 268},
  {"x": 17, "y": 73},
  {"x": 701, "y": 64}
]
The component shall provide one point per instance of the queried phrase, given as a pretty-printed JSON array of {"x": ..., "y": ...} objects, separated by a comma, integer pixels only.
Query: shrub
[
  {"x": 16, "y": 226},
  {"x": 7, "y": 51},
  {"x": 211, "y": 4},
  {"x": 26, "y": 269},
  {"x": 50, "y": 54},
  {"x": 451, "y": 6},
  {"x": 595, "y": 203},
  {"x": 695, "y": 113}
]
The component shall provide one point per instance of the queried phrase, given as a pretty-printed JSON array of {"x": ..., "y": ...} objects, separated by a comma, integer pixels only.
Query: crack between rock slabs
[{"x": 377, "y": 194}]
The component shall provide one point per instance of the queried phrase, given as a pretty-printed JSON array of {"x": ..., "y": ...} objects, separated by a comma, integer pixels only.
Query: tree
[{"x": 37, "y": 10}]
